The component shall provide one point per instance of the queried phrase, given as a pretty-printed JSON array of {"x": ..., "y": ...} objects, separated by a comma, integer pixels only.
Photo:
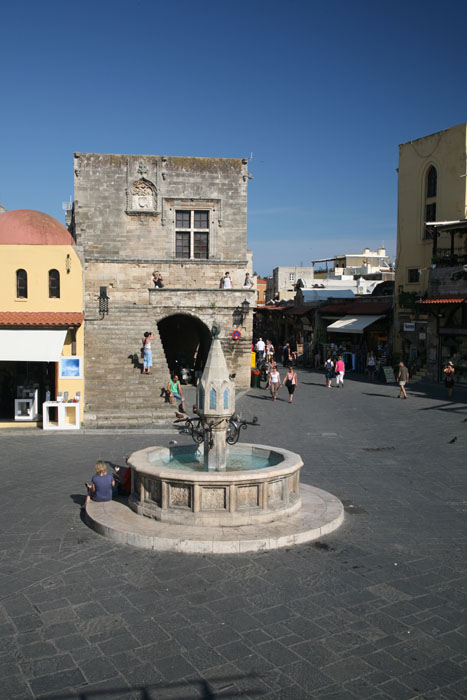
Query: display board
[{"x": 389, "y": 375}]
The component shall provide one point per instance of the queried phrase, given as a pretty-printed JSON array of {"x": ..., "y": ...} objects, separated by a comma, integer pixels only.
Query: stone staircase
[
  {"x": 117, "y": 394},
  {"x": 419, "y": 374}
]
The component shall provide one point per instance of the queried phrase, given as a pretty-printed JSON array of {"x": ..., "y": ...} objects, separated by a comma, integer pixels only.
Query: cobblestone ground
[{"x": 375, "y": 610}]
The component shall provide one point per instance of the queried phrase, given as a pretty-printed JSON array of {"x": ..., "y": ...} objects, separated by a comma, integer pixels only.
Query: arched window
[
  {"x": 432, "y": 182},
  {"x": 54, "y": 284},
  {"x": 21, "y": 284}
]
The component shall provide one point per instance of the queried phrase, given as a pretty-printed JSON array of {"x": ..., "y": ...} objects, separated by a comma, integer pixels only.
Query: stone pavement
[{"x": 378, "y": 609}]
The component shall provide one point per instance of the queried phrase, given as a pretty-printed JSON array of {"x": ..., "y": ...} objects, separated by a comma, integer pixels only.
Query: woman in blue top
[{"x": 100, "y": 488}]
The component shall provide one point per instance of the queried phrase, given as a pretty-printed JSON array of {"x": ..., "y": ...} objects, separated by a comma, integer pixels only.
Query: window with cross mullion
[{"x": 192, "y": 234}]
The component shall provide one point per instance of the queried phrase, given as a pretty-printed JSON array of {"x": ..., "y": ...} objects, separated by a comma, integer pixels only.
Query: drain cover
[{"x": 353, "y": 508}]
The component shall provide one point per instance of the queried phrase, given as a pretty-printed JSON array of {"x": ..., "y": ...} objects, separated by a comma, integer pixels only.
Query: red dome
[{"x": 27, "y": 227}]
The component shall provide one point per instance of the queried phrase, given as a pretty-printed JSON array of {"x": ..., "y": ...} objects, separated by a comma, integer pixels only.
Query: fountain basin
[{"x": 180, "y": 495}]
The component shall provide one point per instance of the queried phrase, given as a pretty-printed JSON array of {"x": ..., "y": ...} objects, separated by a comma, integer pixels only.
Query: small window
[
  {"x": 182, "y": 247},
  {"x": 430, "y": 212},
  {"x": 414, "y": 275},
  {"x": 183, "y": 219},
  {"x": 291, "y": 276},
  {"x": 21, "y": 284},
  {"x": 432, "y": 183},
  {"x": 201, "y": 219},
  {"x": 54, "y": 284},
  {"x": 200, "y": 248}
]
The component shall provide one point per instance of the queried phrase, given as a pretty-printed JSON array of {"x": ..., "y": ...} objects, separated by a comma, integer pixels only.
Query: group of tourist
[
  {"x": 334, "y": 369},
  {"x": 275, "y": 382},
  {"x": 226, "y": 281}
]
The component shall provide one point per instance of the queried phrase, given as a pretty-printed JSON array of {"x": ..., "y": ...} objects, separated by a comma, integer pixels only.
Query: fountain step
[{"x": 321, "y": 513}]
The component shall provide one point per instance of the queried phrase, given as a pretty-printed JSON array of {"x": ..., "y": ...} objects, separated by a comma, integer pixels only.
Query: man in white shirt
[
  {"x": 227, "y": 281},
  {"x": 260, "y": 345}
]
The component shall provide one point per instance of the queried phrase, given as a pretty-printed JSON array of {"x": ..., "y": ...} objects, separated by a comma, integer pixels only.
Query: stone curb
[{"x": 321, "y": 513}]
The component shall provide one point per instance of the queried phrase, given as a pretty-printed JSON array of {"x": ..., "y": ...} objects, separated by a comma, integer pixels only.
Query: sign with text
[{"x": 389, "y": 375}]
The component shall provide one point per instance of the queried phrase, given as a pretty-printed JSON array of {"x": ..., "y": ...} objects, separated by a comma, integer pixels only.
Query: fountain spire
[{"x": 215, "y": 403}]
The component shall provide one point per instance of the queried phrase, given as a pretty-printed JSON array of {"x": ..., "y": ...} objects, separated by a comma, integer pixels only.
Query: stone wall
[{"x": 124, "y": 223}]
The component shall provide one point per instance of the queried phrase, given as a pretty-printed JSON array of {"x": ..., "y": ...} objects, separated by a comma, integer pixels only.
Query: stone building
[
  {"x": 432, "y": 194},
  {"x": 185, "y": 218}
]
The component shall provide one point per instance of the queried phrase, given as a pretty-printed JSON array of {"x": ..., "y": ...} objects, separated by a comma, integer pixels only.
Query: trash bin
[{"x": 255, "y": 377}]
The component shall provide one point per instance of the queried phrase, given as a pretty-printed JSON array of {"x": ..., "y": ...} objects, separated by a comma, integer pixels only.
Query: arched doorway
[{"x": 186, "y": 341}]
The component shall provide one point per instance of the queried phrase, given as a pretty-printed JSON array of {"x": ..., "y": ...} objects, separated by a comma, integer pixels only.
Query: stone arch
[{"x": 186, "y": 340}]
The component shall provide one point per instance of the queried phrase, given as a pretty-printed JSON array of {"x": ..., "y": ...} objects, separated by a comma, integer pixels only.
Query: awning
[
  {"x": 352, "y": 324},
  {"x": 442, "y": 300},
  {"x": 31, "y": 346}
]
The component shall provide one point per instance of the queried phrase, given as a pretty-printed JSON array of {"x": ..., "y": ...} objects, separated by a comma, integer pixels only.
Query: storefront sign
[
  {"x": 389, "y": 375},
  {"x": 410, "y": 326}
]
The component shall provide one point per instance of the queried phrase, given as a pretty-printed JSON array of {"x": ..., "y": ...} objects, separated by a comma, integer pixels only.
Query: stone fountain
[{"x": 215, "y": 497}]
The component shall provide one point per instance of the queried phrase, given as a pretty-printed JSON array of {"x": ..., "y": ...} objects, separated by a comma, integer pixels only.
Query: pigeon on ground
[{"x": 453, "y": 440}]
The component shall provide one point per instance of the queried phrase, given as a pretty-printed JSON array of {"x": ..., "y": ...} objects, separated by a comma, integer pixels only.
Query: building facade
[
  {"x": 41, "y": 312},
  {"x": 431, "y": 190},
  {"x": 185, "y": 219}
]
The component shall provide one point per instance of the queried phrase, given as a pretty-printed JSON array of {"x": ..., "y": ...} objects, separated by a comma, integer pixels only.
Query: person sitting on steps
[{"x": 175, "y": 391}]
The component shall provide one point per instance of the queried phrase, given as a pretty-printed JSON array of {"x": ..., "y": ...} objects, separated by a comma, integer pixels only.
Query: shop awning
[
  {"x": 31, "y": 345},
  {"x": 442, "y": 300},
  {"x": 352, "y": 324}
]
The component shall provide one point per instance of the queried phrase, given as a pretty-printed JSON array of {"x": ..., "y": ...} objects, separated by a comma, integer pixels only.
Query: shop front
[
  {"x": 36, "y": 365},
  {"x": 353, "y": 336},
  {"x": 453, "y": 347}
]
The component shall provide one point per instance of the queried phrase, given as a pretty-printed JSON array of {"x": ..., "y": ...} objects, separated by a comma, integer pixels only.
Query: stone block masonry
[{"x": 186, "y": 218}]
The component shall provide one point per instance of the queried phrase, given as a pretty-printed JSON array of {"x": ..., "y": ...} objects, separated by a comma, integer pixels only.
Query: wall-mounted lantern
[{"x": 245, "y": 309}]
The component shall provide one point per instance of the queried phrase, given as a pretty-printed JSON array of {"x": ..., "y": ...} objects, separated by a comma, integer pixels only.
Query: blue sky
[{"x": 320, "y": 93}]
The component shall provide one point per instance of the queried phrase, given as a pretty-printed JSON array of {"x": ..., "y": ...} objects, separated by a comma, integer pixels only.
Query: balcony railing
[{"x": 447, "y": 257}]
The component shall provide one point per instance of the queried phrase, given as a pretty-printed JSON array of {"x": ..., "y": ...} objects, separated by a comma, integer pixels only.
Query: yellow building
[
  {"x": 41, "y": 312},
  {"x": 432, "y": 188}
]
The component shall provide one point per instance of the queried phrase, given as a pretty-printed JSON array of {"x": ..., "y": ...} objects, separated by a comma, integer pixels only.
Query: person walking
[
  {"x": 329, "y": 369},
  {"x": 448, "y": 372},
  {"x": 274, "y": 382},
  {"x": 287, "y": 358},
  {"x": 340, "y": 371},
  {"x": 147, "y": 351},
  {"x": 371, "y": 365},
  {"x": 402, "y": 378},
  {"x": 259, "y": 347},
  {"x": 291, "y": 382}
]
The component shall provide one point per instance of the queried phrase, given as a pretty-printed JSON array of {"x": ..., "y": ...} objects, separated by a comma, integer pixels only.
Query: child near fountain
[{"x": 100, "y": 488}]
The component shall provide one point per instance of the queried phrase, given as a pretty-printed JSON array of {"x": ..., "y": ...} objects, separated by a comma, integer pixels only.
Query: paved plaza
[{"x": 378, "y": 609}]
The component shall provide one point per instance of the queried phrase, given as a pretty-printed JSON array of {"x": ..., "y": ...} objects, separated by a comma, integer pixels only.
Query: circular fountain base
[
  {"x": 256, "y": 504},
  {"x": 261, "y": 484},
  {"x": 320, "y": 514}
]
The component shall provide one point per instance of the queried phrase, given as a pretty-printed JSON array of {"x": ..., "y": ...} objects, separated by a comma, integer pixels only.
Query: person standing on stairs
[{"x": 147, "y": 351}]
